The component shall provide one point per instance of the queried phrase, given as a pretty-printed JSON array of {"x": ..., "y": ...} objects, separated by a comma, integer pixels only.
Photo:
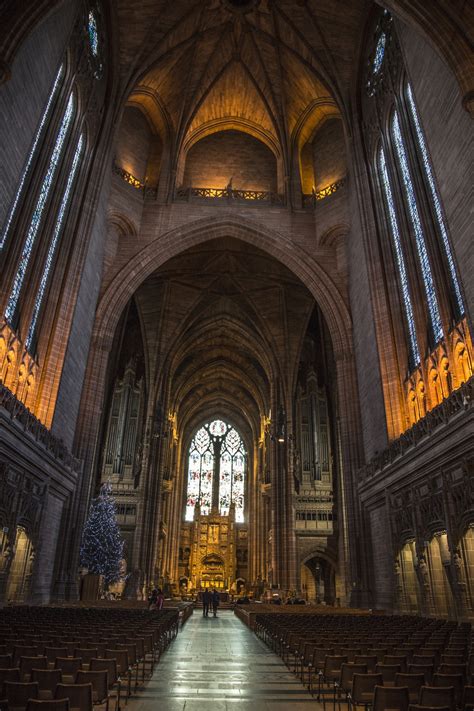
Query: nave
[{"x": 220, "y": 664}]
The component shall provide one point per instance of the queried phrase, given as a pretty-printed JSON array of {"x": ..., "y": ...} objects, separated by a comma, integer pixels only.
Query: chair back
[
  {"x": 52, "y": 652},
  {"x": 29, "y": 663},
  {"x": 48, "y": 705},
  {"x": 346, "y": 674},
  {"x": 370, "y": 660},
  {"x": 121, "y": 656},
  {"x": 18, "y": 692},
  {"x": 388, "y": 671},
  {"x": 438, "y": 696},
  {"x": 79, "y": 695},
  {"x": 363, "y": 686},
  {"x": 6, "y": 661},
  {"x": 108, "y": 665},
  {"x": 9, "y": 674},
  {"x": 395, "y": 698},
  {"x": 47, "y": 679},
  {"x": 100, "y": 683}
]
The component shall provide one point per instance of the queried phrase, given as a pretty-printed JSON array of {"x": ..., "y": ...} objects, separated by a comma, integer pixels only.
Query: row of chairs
[
  {"x": 77, "y": 657},
  {"x": 414, "y": 660}
]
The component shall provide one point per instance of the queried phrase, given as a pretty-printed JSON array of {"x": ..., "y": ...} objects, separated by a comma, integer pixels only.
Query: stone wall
[
  {"x": 329, "y": 154},
  {"x": 133, "y": 143},
  {"x": 214, "y": 160},
  {"x": 24, "y": 97}
]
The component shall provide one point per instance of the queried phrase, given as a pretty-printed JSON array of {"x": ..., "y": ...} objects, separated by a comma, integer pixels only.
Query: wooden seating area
[
  {"x": 59, "y": 658},
  {"x": 376, "y": 662}
]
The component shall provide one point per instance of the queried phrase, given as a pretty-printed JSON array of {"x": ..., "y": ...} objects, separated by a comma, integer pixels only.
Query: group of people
[{"x": 210, "y": 599}]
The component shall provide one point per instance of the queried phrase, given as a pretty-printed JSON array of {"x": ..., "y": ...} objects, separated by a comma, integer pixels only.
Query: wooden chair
[
  {"x": 29, "y": 663},
  {"x": 18, "y": 693},
  {"x": 79, "y": 695},
  {"x": 47, "y": 705},
  {"x": 363, "y": 686},
  {"x": 395, "y": 698},
  {"x": 47, "y": 679},
  {"x": 100, "y": 685}
]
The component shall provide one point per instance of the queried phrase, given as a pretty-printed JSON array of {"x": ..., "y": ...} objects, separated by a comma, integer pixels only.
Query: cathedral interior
[{"x": 237, "y": 285}]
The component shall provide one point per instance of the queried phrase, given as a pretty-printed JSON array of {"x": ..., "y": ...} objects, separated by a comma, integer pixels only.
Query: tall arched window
[
  {"x": 54, "y": 241},
  {"x": 38, "y": 211},
  {"x": 216, "y": 471},
  {"x": 413, "y": 240},
  {"x": 26, "y": 170},
  {"x": 400, "y": 258}
]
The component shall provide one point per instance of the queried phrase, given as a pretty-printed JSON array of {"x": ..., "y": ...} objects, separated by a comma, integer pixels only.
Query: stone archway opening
[{"x": 318, "y": 581}]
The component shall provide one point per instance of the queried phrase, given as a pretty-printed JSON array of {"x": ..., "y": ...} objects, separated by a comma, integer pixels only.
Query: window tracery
[
  {"x": 217, "y": 450},
  {"x": 411, "y": 212},
  {"x": 417, "y": 229},
  {"x": 54, "y": 241},
  {"x": 436, "y": 201},
  {"x": 39, "y": 209},
  {"x": 402, "y": 272}
]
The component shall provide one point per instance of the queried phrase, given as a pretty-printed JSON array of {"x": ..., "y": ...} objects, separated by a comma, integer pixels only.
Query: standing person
[
  {"x": 205, "y": 603},
  {"x": 152, "y": 599},
  {"x": 160, "y": 599},
  {"x": 215, "y": 602}
]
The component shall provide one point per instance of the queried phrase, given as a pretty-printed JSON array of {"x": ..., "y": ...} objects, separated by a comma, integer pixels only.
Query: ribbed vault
[{"x": 222, "y": 325}]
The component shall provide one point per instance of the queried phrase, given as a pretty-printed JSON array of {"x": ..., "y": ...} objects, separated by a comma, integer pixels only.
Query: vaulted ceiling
[
  {"x": 221, "y": 323},
  {"x": 271, "y": 67}
]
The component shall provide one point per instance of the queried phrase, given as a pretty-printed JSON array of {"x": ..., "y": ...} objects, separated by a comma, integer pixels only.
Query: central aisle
[{"x": 216, "y": 665}]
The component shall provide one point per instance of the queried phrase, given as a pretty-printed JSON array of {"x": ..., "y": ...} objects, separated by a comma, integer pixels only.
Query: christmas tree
[{"x": 102, "y": 545}]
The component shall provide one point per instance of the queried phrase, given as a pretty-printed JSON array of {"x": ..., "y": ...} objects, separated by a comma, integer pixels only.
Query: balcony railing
[
  {"x": 230, "y": 196},
  {"x": 310, "y": 200},
  {"x": 147, "y": 191},
  {"x": 30, "y": 424},
  {"x": 460, "y": 400}
]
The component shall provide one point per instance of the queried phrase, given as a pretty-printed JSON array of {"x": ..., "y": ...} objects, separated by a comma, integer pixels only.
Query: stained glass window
[
  {"x": 395, "y": 232},
  {"x": 39, "y": 209},
  {"x": 216, "y": 443},
  {"x": 200, "y": 473},
  {"x": 436, "y": 201},
  {"x": 6, "y": 228},
  {"x": 231, "y": 478},
  {"x": 54, "y": 241},
  {"x": 93, "y": 33},
  {"x": 379, "y": 53},
  {"x": 417, "y": 229}
]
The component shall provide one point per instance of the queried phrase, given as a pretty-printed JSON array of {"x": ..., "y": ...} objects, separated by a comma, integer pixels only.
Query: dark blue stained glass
[
  {"x": 93, "y": 33},
  {"x": 402, "y": 273},
  {"x": 428, "y": 281},
  {"x": 379, "y": 53},
  {"x": 6, "y": 228},
  {"x": 436, "y": 201},
  {"x": 39, "y": 209},
  {"x": 54, "y": 241}
]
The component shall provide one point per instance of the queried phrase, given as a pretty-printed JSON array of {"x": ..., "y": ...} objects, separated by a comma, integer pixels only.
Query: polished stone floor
[{"x": 218, "y": 664}]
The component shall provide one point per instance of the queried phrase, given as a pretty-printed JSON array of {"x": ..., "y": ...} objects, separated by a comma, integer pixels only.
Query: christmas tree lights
[{"x": 102, "y": 545}]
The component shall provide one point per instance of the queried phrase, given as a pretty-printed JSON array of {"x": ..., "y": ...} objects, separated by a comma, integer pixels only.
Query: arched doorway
[{"x": 318, "y": 580}]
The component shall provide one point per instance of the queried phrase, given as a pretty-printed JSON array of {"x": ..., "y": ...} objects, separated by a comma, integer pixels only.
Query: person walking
[
  {"x": 206, "y": 599},
  {"x": 215, "y": 602}
]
